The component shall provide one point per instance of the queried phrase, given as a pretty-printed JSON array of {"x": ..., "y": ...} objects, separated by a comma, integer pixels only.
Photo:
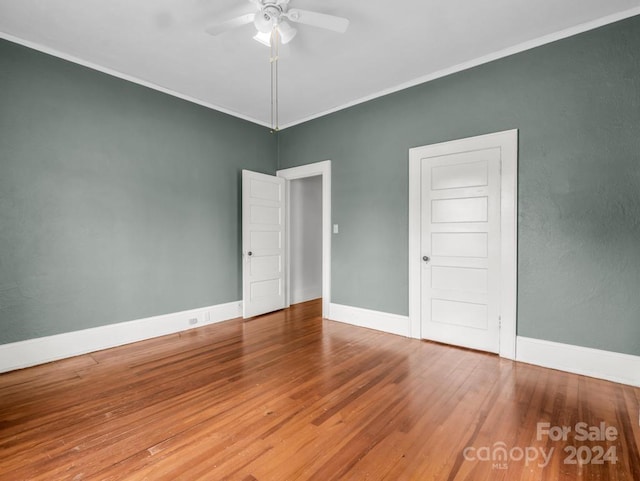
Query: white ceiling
[{"x": 389, "y": 45}]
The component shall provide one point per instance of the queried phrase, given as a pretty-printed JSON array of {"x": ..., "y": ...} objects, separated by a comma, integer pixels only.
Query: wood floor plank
[{"x": 290, "y": 396}]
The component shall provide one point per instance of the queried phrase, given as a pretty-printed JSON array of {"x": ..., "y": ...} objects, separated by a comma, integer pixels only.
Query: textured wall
[
  {"x": 576, "y": 103},
  {"x": 116, "y": 202}
]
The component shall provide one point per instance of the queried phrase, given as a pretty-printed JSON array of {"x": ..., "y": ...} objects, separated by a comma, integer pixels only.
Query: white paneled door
[
  {"x": 263, "y": 243},
  {"x": 460, "y": 247}
]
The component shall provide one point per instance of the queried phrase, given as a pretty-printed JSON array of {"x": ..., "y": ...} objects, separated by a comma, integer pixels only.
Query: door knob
[
  {"x": 250, "y": 253},
  {"x": 426, "y": 258}
]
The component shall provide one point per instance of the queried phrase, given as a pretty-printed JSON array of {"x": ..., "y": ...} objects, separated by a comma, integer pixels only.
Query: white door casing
[
  {"x": 462, "y": 215},
  {"x": 323, "y": 169},
  {"x": 263, "y": 243}
]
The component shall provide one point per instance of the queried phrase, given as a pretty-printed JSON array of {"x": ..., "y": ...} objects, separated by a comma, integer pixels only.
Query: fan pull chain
[
  {"x": 277, "y": 77},
  {"x": 275, "y": 41}
]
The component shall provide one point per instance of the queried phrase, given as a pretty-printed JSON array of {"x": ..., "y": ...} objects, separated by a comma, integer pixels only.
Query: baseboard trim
[
  {"x": 21, "y": 354},
  {"x": 304, "y": 295},
  {"x": 380, "y": 321},
  {"x": 611, "y": 366}
]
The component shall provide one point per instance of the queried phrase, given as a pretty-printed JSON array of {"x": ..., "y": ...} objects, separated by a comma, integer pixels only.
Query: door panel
[
  {"x": 263, "y": 187},
  {"x": 465, "y": 314},
  {"x": 261, "y": 214},
  {"x": 460, "y": 237},
  {"x": 263, "y": 290},
  {"x": 265, "y": 265},
  {"x": 452, "y": 278},
  {"x": 263, "y": 276},
  {"x": 459, "y": 244},
  {"x": 264, "y": 240},
  {"x": 472, "y": 209},
  {"x": 473, "y": 174}
]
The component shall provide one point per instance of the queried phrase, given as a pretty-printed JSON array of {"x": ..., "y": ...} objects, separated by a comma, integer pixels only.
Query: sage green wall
[
  {"x": 117, "y": 202},
  {"x": 576, "y": 103}
]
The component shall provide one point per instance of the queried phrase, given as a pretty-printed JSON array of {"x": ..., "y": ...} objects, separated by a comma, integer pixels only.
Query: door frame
[
  {"x": 323, "y": 169},
  {"x": 508, "y": 143}
]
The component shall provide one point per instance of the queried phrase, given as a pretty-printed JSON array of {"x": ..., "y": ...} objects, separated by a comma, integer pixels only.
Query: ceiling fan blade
[
  {"x": 315, "y": 19},
  {"x": 218, "y": 28}
]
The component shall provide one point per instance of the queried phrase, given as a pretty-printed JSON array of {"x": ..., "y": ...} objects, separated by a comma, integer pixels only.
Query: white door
[
  {"x": 263, "y": 243},
  {"x": 460, "y": 247}
]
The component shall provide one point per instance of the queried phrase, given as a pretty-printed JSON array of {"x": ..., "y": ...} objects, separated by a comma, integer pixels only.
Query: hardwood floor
[{"x": 289, "y": 396}]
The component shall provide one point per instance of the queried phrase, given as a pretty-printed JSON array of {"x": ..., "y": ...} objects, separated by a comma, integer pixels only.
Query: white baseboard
[
  {"x": 612, "y": 366},
  {"x": 304, "y": 295},
  {"x": 380, "y": 321},
  {"x": 31, "y": 352}
]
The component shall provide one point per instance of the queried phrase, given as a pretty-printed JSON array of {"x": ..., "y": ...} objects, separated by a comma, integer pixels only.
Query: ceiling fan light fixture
[
  {"x": 263, "y": 38},
  {"x": 287, "y": 32},
  {"x": 263, "y": 22},
  {"x": 274, "y": 30}
]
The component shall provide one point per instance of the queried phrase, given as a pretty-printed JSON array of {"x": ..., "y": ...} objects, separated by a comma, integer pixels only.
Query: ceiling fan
[{"x": 273, "y": 15}]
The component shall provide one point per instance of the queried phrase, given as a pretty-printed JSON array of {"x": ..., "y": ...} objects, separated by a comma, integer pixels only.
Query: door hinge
[{"x": 499, "y": 322}]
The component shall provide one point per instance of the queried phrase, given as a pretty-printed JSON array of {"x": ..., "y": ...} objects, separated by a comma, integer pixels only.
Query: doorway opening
[
  {"x": 305, "y": 239},
  {"x": 301, "y": 274}
]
